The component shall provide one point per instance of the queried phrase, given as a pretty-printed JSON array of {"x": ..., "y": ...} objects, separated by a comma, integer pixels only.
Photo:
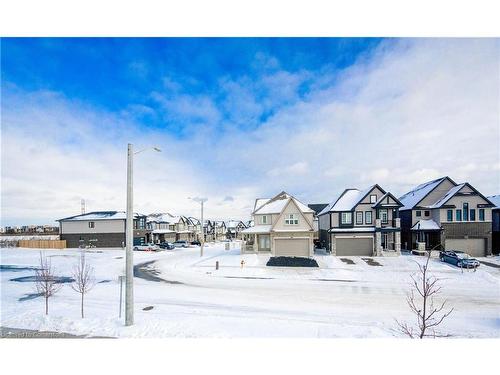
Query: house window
[
  {"x": 472, "y": 214},
  {"x": 359, "y": 217},
  {"x": 481, "y": 214},
  {"x": 368, "y": 217},
  {"x": 264, "y": 242},
  {"x": 427, "y": 213},
  {"x": 458, "y": 215},
  {"x": 373, "y": 198},
  {"x": 91, "y": 224},
  {"x": 418, "y": 213},
  {"x": 449, "y": 215},
  {"x": 346, "y": 218},
  {"x": 383, "y": 216},
  {"x": 291, "y": 219},
  {"x": 263, "y": 219},
  {"x": 466, "y": 211}
]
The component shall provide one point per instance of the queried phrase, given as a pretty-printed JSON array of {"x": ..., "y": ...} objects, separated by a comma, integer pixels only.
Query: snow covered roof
[
  {"x": 428, "y": 224},
  {"x": 101, "y": 215},
  {"x": 357, "y": 229},
  {"x": 162, "y": 231},
  {"x": 259, "y": 202},
  {"x": 160, "y": 217},
  {"x": 258, "y": 229},
  {"x": 347, "y": 200},
  {"x": 278, "y": 203},
  {"x": 233, "y": 223},
  {"x": 495, "y": 199},
  {"x": 447, "y": 196},
  {"x": 411, "y": 199}
]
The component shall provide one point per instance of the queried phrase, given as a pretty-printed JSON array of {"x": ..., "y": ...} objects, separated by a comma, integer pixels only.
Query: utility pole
[
  {"x": 203, "y": 235},
  {"x": 129, "y": 238}
]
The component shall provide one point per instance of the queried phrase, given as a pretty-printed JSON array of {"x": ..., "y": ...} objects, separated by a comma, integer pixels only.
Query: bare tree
[
  {"x": 421, "y": 302},
  {"x": 83, "y": 274},
  {"x": 45, "y": 282}
]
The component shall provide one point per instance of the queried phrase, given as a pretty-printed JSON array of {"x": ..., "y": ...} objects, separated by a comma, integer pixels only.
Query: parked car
[
  {"x": 166, "y": 245},
  {"x": 196, "y": 243},
  {"x": 458, "y": 258},
  {"x": 181, "y": 243},
  {"x": 146, "y": 247}
]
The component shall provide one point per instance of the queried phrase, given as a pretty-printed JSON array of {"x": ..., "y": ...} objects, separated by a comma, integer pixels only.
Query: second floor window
[
  {"x": 466, "y": 211},
  {"x": 373, "y": 198},
  {"x": 346, "y": 218},
  {"x": 449, "y": 215},
  {"x": 472, "y": 214},
  {"x": 481, "y": 214},
  {"x": 359, "y": 217},
  {"x": 91, "y": 224},
  {"x": 291, "y": 219},
  {"x": 418, "y": 213},
  {"x": 263, "y": 219},
  {"x": 368, "y": 217},
  {"x": 383, "y": 216},
  {"x": 458, "y": 214}
]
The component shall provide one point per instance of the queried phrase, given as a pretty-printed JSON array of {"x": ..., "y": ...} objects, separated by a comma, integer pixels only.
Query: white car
[{"x": 146, "y": 247}]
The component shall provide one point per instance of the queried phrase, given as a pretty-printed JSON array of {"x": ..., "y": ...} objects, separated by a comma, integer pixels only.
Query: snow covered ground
[{"x": 196, "y": 300}]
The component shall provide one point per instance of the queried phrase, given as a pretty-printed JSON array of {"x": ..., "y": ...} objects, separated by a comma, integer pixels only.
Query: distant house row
[
  {"x": 439, "y": 214},
  {"x": 29, "y": 229},
  {"x": 107, "y": 229}
]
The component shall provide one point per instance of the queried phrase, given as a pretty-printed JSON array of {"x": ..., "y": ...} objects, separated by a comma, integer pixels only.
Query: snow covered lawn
[{"x": 336, "y": 300}]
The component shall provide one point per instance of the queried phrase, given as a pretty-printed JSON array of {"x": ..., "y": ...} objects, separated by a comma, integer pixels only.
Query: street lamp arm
[{"x": 157, "y": 149}]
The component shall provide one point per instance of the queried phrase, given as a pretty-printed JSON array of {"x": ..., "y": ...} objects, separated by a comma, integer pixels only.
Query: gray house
[
  {"x": 361, "y": 222},
  {"x": 443, "y": 214},
  {"x": 100, "y": 229}
]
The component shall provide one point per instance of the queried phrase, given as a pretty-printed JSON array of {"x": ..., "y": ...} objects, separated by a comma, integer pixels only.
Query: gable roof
[
  {"x": 317, "y": 207},
  {"x": 277, "y": 204},
  {"x": 349, "y": 199},
  {"x": 495, "y": 199},
  {"x": 381, "y": 199},
  {"x": 428, "y": 224},
  {"x": 101, "y": 215},
  {"x": 259, "y": 202},
  {"x": 413, "y": 197}
]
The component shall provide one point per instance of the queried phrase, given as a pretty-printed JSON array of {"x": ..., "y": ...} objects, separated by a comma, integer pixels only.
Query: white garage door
[
  {"x": 354, "y": 246},
  {"x": 472, "y": 246},
  {"x": 296, "y": 247}
]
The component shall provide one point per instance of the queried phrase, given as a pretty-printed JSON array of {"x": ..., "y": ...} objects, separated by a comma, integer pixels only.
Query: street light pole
[
  {"x": 201, "y": 200},
  {"x": 129, "y": 238}
]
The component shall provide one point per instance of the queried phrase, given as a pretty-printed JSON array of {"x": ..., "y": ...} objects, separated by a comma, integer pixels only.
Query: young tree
[
  {"x": 45, "y": 281},
  {"x": 421, "y": 302},
  {"x": 83, "y": 274}
]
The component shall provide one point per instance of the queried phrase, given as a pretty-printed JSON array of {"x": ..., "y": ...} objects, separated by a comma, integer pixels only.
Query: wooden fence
[{"x": 42, "y": 244}]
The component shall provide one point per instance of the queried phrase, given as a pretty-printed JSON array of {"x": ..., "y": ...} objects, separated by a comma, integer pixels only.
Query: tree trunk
[
  {"x": 82, "y": 305},
  {"x": 46, "y": 305}
]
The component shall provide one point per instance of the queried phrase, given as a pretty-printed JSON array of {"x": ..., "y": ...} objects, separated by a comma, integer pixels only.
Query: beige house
[{"x": 283, "y": 226}]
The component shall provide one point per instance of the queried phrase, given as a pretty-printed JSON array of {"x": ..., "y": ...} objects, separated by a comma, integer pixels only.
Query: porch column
[
  {"x": 397, "y": 239},
  {"x": 333, "y": 244},
  {"x": 378, "y": 238},
  {"x": 255, "y": 245}
]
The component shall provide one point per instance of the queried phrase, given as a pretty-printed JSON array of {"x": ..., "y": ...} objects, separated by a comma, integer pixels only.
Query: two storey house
[
  {"x": 443, "y": 214},
  {"x": 361, "y": 222},
  {"x": 283, "y": 226}
]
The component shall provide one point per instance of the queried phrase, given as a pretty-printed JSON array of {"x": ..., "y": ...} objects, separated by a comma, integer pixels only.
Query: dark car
[
  {"x": 196, "y": 243},
  {"x": 166, "y": 246},
  {"x": 458, "y": 258}
]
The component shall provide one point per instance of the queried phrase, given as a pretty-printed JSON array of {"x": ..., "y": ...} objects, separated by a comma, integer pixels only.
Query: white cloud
[{"x": 412, "y": 111}]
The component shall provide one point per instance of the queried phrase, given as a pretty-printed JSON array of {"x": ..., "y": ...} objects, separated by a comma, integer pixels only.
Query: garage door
[
  {"x": 472, "y": 246},
  {"x": 354, "y": 246},
  {"x": 291, "y": 247}
]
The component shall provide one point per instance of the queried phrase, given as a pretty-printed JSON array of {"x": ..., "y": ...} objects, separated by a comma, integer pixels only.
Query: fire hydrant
[
  {"x": 216, "y": 265},
  {"x": 242, "y": 263}
]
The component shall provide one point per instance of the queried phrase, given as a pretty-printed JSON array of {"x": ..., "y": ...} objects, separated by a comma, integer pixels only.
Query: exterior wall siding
[
  {"x": 103, "y": 239},
  {"x": 100, "y": 226}
]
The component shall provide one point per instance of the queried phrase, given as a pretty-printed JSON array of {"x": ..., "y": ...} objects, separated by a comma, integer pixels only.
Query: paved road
[{"x": 16, "y": 333}]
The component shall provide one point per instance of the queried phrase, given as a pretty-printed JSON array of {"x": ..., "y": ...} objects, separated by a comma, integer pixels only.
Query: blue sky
[{"x": 240, "y": 118}]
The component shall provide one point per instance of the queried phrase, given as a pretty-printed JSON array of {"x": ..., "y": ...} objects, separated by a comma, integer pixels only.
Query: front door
[{"x": 264, "y": 242}]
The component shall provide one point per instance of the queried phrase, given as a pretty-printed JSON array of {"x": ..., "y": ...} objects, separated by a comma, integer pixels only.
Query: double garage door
[
  {"x": 297, "y": 247},
  {"x": 347, "y": 246},
  {"x": 472, "y": 246}
]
